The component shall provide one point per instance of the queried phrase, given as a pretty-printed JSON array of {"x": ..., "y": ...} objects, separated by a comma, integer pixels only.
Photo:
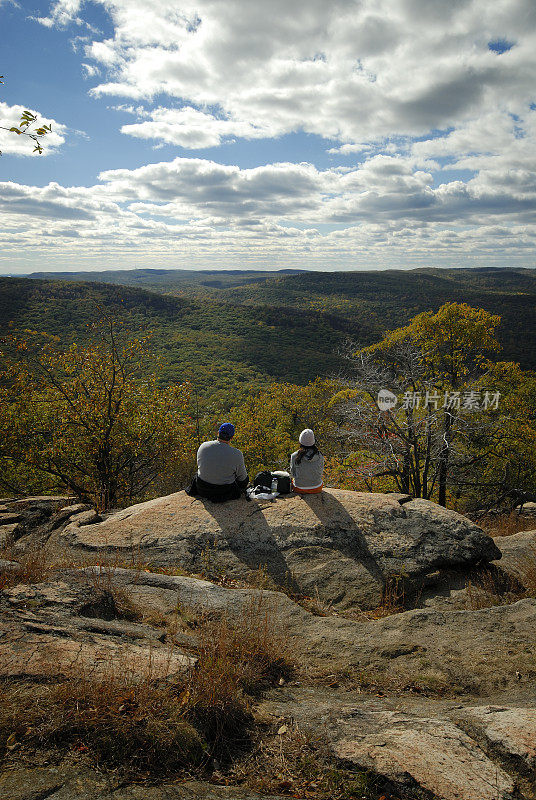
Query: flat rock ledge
[
  {"x": 61, "y": 629},
  {"x": 414, "y": 752},
  {"x": 343, "y": 547},
  {"x": 72, "y": 625},
  {"x": 476, "y": 753}
]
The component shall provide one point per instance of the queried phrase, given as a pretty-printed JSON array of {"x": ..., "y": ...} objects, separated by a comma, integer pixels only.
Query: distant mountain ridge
[{"x": 234, "y": 328}]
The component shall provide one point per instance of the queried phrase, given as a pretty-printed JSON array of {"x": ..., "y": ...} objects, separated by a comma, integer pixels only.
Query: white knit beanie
[{"x": 307, "y": 438}]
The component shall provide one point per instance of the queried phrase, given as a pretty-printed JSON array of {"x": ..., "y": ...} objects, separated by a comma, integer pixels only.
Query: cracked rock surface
[
  {"x": 341, "y": 546},
  {"x": 73, "y": 627},
  {"x": 436, "y": 702}
]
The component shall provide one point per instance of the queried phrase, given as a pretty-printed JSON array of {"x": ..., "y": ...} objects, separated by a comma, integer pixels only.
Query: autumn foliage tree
[
  {"x": 500, "y": 464},
  {"x": 270, "y": 420},
  {"x": 91, "y": 418},
  {"x": 431, "y": 367}
]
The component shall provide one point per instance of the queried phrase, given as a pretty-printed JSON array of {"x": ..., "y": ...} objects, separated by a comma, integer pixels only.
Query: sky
[{"x": 269, "y": 134}]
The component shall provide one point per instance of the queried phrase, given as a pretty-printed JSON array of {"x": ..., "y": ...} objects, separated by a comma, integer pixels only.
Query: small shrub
[{"x": 257, "y": 655}]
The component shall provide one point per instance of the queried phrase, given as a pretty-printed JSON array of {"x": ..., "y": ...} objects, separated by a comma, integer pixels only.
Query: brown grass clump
[
  {"x": 32, "y": 566},
  {"x": 137, "y": 725},
  {"x": 299, "y": 764},
  {"x": 492, "y": 587},
  {"x": 146, "y": 725},
  {"x": 393, "y": 599}
]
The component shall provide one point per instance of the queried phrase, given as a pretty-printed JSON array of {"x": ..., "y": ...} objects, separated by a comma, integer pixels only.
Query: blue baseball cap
[{"x": 226, "y": 431}]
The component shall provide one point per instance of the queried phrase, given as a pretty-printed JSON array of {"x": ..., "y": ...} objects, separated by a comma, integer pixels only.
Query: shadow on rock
[
  {"x": 345, "y": 535},
  {"x": 259, "y": 551}
]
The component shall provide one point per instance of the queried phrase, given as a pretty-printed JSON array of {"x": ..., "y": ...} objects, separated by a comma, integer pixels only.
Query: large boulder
[{"x": 341, "y": 546}]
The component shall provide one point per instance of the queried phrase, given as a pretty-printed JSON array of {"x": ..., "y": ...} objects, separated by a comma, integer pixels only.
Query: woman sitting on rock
[{"x": 307, "y": 465}]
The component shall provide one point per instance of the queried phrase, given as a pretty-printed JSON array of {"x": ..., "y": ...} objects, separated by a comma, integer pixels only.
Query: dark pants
[{"x": 216, "y": 493}]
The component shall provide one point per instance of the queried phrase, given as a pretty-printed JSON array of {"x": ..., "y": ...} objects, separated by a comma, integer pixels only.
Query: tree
[
  {"x": 500, "y": 463},
  {"x": 88, "y": 418},
  {"x": 29, "y": 126},
  {"x": 429, "y": 367},
  {"x": 270, "y": 420}
]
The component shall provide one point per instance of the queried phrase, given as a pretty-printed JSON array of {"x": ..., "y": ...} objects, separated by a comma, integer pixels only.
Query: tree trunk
[{"x": 444, "y": 458}]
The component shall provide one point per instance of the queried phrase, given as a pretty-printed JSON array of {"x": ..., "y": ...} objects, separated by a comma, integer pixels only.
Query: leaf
[
  {"x": 282, "y": 730},
  {"x": 184, "y": 697},
  {"x": 12, "y": 743},
  {"x": 15, "y": 130}
]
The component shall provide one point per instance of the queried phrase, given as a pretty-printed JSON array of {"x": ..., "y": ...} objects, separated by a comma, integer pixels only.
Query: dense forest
[
  {"x": 107, "y": 388},
  {"x": 363, "y": 304},
  {"x": 209, "y": 342}
]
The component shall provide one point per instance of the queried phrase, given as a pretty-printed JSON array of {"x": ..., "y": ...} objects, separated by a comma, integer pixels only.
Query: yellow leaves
[{"x": 93, "y": 420}]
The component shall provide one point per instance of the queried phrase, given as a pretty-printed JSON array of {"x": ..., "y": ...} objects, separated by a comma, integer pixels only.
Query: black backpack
[{"x": 263, "y": 480}]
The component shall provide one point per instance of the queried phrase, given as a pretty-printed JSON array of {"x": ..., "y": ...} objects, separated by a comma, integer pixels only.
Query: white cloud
[
  {"x": 190, "y": 128},
  {"x": 348, "y": 149},
  {"x": 90, "y": 70},
  {"x": 385, "y": 212},
  {"x": 20, "y": 144},
  {"x": 63, "y": 13},
  {"x": 349, "y": 70},
  {"x": 442, "y": 129}
]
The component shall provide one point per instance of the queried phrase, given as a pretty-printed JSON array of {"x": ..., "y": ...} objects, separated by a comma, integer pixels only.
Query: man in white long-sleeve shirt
[{"x": 221, "y": 471}]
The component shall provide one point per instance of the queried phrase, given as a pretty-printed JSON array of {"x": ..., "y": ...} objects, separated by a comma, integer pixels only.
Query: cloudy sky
[{"x": 350, "y": 134}]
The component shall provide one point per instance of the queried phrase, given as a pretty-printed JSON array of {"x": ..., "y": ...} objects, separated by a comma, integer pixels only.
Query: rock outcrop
[
  {"x": 508, "y": 732},
  {"x": 418, "y": 753},
  {"x": 83, "y": 620},
  {"x": 429, "y": 751},
  {"x": 395, "y": 696},
  {"x": 341, "y": 546},
  {"x": 74, "y": 783},
  {"x": 422, "y": 650},
  {"x": 74, "y": 627}
]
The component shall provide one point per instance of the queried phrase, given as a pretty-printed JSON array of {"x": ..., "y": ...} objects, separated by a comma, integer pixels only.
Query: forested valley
[{"x": 109, "y": 384}]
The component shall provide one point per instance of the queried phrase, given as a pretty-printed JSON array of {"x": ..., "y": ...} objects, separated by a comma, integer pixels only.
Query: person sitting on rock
[
  {"x": 307, "y": 465},
  {"x": 221, "y": 471}
]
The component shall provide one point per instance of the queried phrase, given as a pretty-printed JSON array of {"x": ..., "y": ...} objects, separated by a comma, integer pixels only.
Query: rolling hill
[
  {"x": 216, "y": 345},
  {"x": 266, "y": 314}
]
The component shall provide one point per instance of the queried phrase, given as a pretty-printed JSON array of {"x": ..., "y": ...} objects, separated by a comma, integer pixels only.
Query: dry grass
[
  {"x": 143, "y": 725},
  {"x": 33, "y": 566},
  {"x": 414, "y": 676},
  {"x": 293, "y": 762},
  {"x": 121, "y": 721},
  {"x": 506, "y": 524},
  {"x": 491, "y": 587},
  {"x": 393, "y": 599}
]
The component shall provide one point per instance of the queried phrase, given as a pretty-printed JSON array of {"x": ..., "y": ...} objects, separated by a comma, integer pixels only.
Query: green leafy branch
[{"x": 25, "y": 128}]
